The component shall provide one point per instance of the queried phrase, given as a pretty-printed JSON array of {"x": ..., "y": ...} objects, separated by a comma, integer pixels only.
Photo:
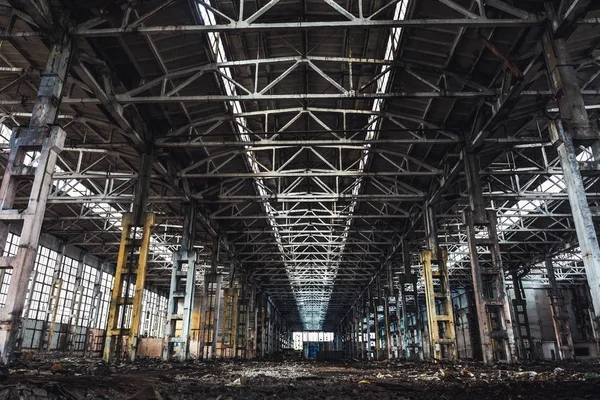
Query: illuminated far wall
[{"x": 309, "y": 336}]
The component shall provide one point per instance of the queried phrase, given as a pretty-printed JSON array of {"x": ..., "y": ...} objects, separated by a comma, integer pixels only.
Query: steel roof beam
[{"x": 357, "y": 23}]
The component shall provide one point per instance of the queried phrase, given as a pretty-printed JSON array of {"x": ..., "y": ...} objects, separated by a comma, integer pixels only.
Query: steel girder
[{"x": 323, "y": 213}]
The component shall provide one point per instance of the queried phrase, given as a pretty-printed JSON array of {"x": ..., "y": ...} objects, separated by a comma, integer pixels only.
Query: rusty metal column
[
  {"x": 211, "y": 305},
  {"x": 493, "y": 308},
  {"x": 560, "y": 316},
  {"x": 438, "y": 298},
  {"x": 242, "y": 320},
  {"x": 492, "y": 304},
  {"x": 521, "y": 327},
  {"x": 124, "y": 317},
  {"x": 574, "y": 128},
  {"x": 125, "y": 311},
  {"x": 253, "y": 323},
  {"x": 230, "y": 316},
  {"x": 43, "y": 136}
]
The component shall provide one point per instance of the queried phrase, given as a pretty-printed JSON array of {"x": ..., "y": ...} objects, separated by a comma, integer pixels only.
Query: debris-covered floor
[{"x": 72, "y": 378}]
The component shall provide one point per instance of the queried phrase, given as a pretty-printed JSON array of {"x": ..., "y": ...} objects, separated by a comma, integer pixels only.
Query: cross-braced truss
[{"x": 311, "y": 134}]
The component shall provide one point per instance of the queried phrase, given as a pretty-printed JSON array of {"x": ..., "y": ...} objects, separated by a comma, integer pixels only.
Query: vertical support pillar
[
  {"x": 210, "y": 320},
  {"x": 182, "y": 292},
  {"x": 124, "y": 316},
  {"x": 474, "y": 338},
  {"x": 411, "y": 323},
  {"x": 582, "y": 217},
  {"x": 211, "y": 305},
  {"x": 412, "y": 334},
  {"x": 521, "y": 328},
  {"x": 587, "y": 323},
  {"x": 230, "y": 320},
  {"x": 376, "y": 301},
  {"x": 253, "y": 323},
  {"x": 43, "y": 139},
  {"x": 262, "y": 324},
  {"x": 493, "y": 309},
  {"x": 352, "y": 340},
  {"x": 267, "y": 326},
  {"x": 386, "y": 322},
  {"x": 363, "y": 329},
  {"x": 125, "y": 312},
  {"x": 574, "y": 128},
  {"x": 242, "y": 322},
  {"x": 438, "y": 299},
  {"x": 560, "y": 316},
  {"x": 357, "y": 316}
]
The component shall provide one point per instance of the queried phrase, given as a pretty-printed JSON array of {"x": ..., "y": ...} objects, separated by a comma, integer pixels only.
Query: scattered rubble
[
  {"x": 76, "y": 378},
  {"x": 148, "y": 393}
]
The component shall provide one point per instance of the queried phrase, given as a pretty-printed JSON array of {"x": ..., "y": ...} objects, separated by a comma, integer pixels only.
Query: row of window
[{"x": 54, "y": 290}]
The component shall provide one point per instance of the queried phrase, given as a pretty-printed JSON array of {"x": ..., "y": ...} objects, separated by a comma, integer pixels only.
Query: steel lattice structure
[{"x": 310, "y": 133}]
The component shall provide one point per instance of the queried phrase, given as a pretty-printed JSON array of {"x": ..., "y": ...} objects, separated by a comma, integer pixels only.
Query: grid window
[
  {"x": 68, "y": 274},
  {"x": 88, "y": 281},
  {"x": 106, "y": 284},
  {"x": 154, "y": 309},
  {"x": 10, "y": 250},
  {"x": 161, "y": 313},
  {"x": 40, "y": 283}
]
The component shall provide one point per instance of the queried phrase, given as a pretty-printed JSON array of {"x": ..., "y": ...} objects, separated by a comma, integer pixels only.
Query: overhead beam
[{"x": 356, "y": 23}]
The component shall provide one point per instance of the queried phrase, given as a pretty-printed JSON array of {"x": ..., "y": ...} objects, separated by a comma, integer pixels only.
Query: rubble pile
[{"x": 76, "y": 378}]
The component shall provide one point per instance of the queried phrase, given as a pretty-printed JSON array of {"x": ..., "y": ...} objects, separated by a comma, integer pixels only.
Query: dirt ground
[{"x": 73, "y": 378}]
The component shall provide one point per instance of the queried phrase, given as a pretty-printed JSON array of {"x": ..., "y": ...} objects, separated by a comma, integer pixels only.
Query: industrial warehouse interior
[{"x": 303, "y": 199}]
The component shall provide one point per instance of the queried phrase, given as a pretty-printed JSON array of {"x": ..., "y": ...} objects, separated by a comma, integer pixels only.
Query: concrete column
[
  {"x": 44, "y": 136},
  {"x": 574, "y": 128},
  {"x": 582, "y": 217}
]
